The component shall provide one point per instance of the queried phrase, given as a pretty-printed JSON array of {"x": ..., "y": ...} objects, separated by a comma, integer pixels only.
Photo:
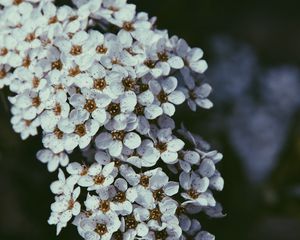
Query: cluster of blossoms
[{"x": 101, "y": 78}]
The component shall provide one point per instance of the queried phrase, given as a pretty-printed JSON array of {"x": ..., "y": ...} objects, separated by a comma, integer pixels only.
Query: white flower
[
  {"x": 168, "y": 145},
  {"x": 196, "y": 189},
  {"x": 115, "y": 140},
  {"x": 146, "y": 155},
  {"x": 166, "y": 95},
  {"x": 100, "y": 226},
  {"x": 191, "y": 56},
  {"x": 94, "y": 177},
  {"x": 196, "y": 95},
  {"x": 53, "y": 160}
]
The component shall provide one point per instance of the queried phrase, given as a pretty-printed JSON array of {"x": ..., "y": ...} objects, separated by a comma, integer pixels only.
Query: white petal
[{"x": 132, "y": 140}]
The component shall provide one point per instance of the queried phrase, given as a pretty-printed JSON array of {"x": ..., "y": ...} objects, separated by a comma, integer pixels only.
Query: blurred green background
[{"x": 268, "y": 210}]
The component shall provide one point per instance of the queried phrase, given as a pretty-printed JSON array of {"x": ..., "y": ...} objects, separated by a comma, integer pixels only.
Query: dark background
[{"x": 263, "y": 211}]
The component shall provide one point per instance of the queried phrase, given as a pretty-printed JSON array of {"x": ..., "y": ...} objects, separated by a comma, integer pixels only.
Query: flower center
[
  {"x": 58, "y": 133},
  {"x": 118, "y": 135},
  {"x": 36, "y": 101},
  {"x": 162, "y": 147},
  {"x": 3, "y": 51},
  {"x": 52, "y": 20},
  {"x": 71, "y": 204},
  {"x": 99, "y": 179},
  {"x": 163, "y": 56},
  {"x": 57, "y": 65},
  {"x": 30, "y": 37},
  {"x": 35, "y": 82},
  {"x": 149, "y": 63},
  {"x": 162, "y": 97},
  {"x": 117, "y": 235},
  {"x": 144, "y": 181},
  {"x": 74, "y": 71},
  {"x": 2, "y": 73},
  {"x": 84, "y": 171},
  {"x": 114, "y": 109},
  {"x": 139, "y": 109},
  {"x": 128, "y": 83},
  {"x": 155, "y": 214},
  {"x": 26, "y": 62},
  {"x": 76, "y": 50},
  {"x": 193, "y": 193},
  {"x": 80, "y": 130},
  {"x": 104, "y": 206},
  {"x": 101, "y": 49},
  {"x": 101, "y": 229},
  {"x": 99, "y": 84},
  {"x": 158, "y": 195},
  {"x": 17, "y": 2},
  {"x": 90, "y": 105},
  {"x": 128, "y": 26},
  {"x": 120, "y": 197},
  {"x": 161, "y": 235},
  {"x": 130, "y": 222},
  {"x": 57, "y": 109}
]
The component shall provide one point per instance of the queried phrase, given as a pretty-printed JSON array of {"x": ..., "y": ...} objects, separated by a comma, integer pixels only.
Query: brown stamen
[
  {"x": 155, "y": 214},
  {"x": 76, "y": 50},
  {"x": 128, "y": 83},
  {"x": 99, "y": 179},
  {"x": 161, "y": 235},
  {"x": 128, "y": 26},
  {"x": 162, "y": 97},
  {"x": 90, "y": 105},
  {"x": 74, "y": 71},
  {"x": 101, "y": 229},
  {"x": 163, "y": 56},
  {"x": 114, "y": 109},
  {"x": 162, "y": 147},
  {"x": 193, "y": 193},
  {"x": 3, "y": 51},
  {"x": 35, "y": 82},
  {"x": 2, "y": 73},
  {"x": 57, "y": 109},
  {"x": 58, "y": 133},
  {"x": 159, "y": 194},
  {"x": 80, "y": 130},
  {"x": 57, "y": 65},
  {"x": 144, "y": 181},
  {"x": 120, "y": 197},
  {"x": 150, "y": 64},
  {"x": 26, "y": 62},
  {"x": 104, "y": 206},
  {"x": 100, "y": 84},
  {"x": 30, "y": 37},
  {"x": 130, "y": 222},
  {"x": 101, "y": 49},
  {"x": 36, "y": 101},
  {"x": 52, "y": 20},
  {"x": 118, "y": 135}
]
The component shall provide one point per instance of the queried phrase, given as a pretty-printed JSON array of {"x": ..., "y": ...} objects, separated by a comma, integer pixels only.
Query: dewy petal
[
  {"x": 86, "y": 181},
  {"x": 199, "y": 66},
  {"x": 102, "y": 157},
  {"x": 169, "y": 84},
  {"x": 95, "y": 169},
  {"x": 153, "y": 111},
  {"x": 132, "y": 140},
  {"x": 175, "y": 145},
  {"x": 121, "y": 184},
  {"x": 168, "y": 108},
  {"x": 203, "y": 91},
  {"x": 74, "y": 168},
  {"x": 207, "y": 168},
  {"x": 171, "y": 188},
  {"x": 176, "y": 97},
  {"x": 142, "y": 229},
  {"x": 115, "y": 148},
  {"x": 204, "y": 103},
  {"x": 169, "y": 157},
  {"x": 104, "y": 140},
  {"x": 108, "y": 169},
  {"x": 200, "y": 184},
  {"x": 176, "y": 62},
  {"x": 194, "y": 55}
]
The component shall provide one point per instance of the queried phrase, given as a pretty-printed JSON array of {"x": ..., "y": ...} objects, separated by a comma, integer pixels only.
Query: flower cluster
[{"x": 101, "y": 78}]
